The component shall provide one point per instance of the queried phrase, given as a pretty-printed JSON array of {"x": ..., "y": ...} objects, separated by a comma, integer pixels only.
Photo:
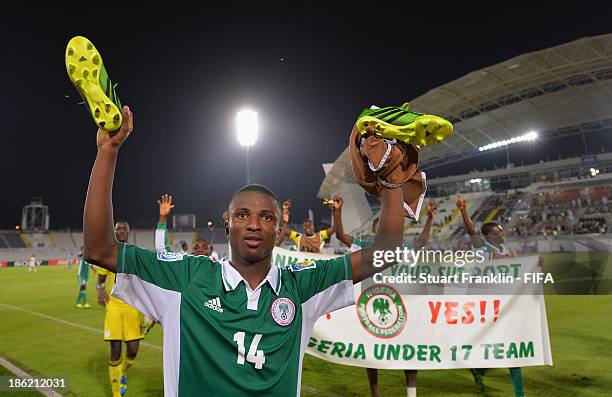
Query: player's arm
[
  {"x": 388, "y": 237},
  {"x": 340, "y": 234},
  {"x": 161, "y": 232},
  {"x": 467, "y": 222},
  {"x": 285, "y": 229},
  {"x": 100, "y": 244},
  {"x": 102, "y": 295},
  {"x": 421, "y": 240}
]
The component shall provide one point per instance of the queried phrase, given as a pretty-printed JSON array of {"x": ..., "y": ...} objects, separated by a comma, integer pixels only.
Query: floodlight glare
[
  {"x": 475, "y": 180},
  {"x": 530, "y": 136},
  {"x": 246, "y": 122}
]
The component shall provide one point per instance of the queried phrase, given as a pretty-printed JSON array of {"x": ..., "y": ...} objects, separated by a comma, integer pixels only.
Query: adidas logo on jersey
[{"x": 214, "y": 304}]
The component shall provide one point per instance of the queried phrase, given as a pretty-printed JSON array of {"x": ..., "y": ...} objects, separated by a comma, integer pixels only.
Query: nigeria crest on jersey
[
  {"x": 283, "y": 311},
  {"x": 381, "y": 311}
]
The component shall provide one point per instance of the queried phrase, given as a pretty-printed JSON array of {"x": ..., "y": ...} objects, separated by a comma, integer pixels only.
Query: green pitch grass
[{"x": 44, "y": 334}]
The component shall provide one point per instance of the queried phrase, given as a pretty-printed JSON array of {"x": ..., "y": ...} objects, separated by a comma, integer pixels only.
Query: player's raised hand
[
  {"x": 460, "y": 201},
  {"x": 285, "y": 213},
  {"x": 112, "y": 140},
  {"x": 338, "y": 202},
  {"x": 432, "y": 209},
  {"x": 165, "y": 205}
]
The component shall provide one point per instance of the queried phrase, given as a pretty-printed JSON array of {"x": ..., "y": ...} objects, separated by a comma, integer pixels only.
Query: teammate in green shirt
[
  {"x": 360, "y": 242},
  {"x": 491, "y": 241},
  {"x": 200, "y": 246},
  {"x": 83, "y": 277},
  {"x": 236, "y": 328}
]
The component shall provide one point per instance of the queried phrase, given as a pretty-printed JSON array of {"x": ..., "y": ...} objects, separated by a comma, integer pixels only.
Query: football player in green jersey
[
  {"x": 491, "y": 241},
  {"x": 236, "y": 328},
  {"x": 83, "y": 277},
  {"x": 200, "y": 246}
]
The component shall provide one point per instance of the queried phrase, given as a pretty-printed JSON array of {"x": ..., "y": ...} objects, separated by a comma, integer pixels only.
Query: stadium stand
[
  {"x": 38, "y": 240},
  {"x": 58, "y": 245},
  {"x": 63, "y": 241},
  {"x": 12, "y": 240}
]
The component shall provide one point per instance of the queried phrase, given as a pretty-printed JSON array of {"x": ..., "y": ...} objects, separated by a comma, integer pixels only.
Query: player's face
[
  {"x": 201, "y": 247},
  {"x": 497, "y": 235},
  {"x": 122, "y": 231},
  {"x": 308, "y": 228},
  {"x": 253, "y": 226}
]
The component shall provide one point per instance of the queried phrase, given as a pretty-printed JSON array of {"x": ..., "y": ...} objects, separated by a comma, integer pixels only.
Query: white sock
[{"x": 411, "y": 391}]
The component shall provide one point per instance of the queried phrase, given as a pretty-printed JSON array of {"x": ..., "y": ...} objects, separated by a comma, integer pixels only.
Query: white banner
[{"x": 389, "y": 329}]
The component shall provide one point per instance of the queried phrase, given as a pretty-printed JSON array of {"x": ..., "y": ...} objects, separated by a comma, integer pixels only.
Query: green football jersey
[
  {"x": 221, "y": 338},
  {"x": 83, "y": 271},
  {"x": 161, "y": 238},
  {"x": 490, "y": 252}
]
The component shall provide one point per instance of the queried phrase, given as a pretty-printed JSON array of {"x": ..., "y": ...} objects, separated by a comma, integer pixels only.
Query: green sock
[
  {"x": 517, "y": 381},
  {"x": 82, "y": 298}
]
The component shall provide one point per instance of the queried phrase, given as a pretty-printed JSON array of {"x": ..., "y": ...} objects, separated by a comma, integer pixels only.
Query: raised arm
[
  {"x": 421, "y": 240},
  {"x": 340, "y": 234},
  {"x": 467, "y": 221},
  {"x": 100, "y": 245},
  {"x": 161, "y": 232},
  {"x": 285, "y": 230},
  {"x": 388, "y": 237}
]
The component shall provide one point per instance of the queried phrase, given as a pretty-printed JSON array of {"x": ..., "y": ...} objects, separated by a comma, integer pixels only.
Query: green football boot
[
  {"x": 410, "y": 127},
  {"x": 87, "y": 73}
]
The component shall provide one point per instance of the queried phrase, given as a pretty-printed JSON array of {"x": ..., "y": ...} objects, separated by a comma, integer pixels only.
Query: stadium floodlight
[
  {"x": 528, "y": 137},
  {"x": 475, "y": 180},
  {"x": 246, "y": 121},
  {"x": 594, "y": 171}
]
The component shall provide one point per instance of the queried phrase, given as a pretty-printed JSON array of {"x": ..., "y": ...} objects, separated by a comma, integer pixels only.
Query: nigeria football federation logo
[
  {"x": 381, "y": 311},
  {"x": 283, "y": 311}
]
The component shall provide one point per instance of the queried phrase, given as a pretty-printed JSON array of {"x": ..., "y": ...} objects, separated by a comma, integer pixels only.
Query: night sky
[{"x": 185, "y": 73}]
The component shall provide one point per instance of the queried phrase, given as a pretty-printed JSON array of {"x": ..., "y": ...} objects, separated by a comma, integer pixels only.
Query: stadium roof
[{"x": 560, "y": 91}]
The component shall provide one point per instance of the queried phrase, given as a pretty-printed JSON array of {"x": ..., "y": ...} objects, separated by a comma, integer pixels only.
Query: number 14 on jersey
[{"x": 254, "y": 356}]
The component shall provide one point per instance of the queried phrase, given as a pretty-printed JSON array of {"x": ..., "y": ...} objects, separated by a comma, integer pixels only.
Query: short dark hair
[
  {"x": 308, "y": 220},
  {"x": 488, "y": 227},
  {"x": 121, "y": 221},
  {"x": 255, "y": 187}
]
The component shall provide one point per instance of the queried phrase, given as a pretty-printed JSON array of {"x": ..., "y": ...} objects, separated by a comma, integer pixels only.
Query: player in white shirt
[{"x": 32, "y": 264}]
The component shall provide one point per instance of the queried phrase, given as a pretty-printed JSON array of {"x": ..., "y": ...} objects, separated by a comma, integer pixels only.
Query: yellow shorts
[{"x": 123, "y": 324}]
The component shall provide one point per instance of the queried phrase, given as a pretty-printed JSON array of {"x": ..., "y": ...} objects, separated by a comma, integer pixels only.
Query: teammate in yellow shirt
[
  {"x": 309, "y": 241},
  {"x": 122, "y": 323}
]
